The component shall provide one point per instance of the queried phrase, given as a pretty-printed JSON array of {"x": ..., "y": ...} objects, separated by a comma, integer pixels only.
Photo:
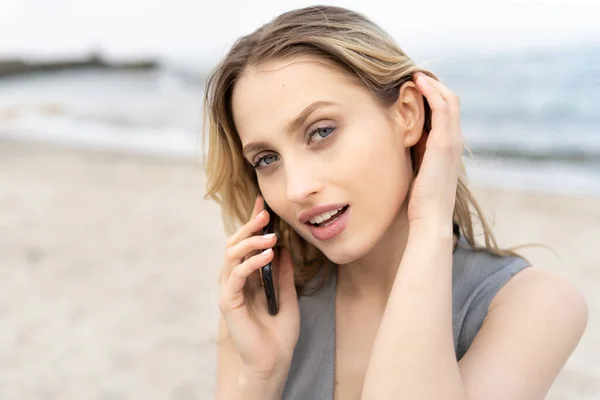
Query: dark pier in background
[{"x": 16, "y": 67}]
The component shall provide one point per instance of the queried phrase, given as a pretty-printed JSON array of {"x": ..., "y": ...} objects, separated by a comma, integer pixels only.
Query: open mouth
[{"x": 328, "y": 218}]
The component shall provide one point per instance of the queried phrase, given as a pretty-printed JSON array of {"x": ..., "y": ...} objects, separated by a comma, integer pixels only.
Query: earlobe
[{"x": 412, "y": 137}]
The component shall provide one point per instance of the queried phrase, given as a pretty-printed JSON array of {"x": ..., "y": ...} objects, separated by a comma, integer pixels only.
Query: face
[{"x": 325, "y": 150}]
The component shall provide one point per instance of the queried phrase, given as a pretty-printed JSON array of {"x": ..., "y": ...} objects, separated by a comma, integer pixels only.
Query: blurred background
[{"x": 109, "y": 254}]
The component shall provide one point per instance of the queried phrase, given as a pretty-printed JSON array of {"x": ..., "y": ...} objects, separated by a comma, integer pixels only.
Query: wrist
[
  {"x": 278, "y": 372},
  {"x": 261, "y": 385},
  {"x": 432, "y": 229}
]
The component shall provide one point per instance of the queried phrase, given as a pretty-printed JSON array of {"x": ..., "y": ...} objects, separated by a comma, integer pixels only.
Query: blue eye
[
  {"x": 265, "y": 161},
  {"x": 321, "y": 133}
]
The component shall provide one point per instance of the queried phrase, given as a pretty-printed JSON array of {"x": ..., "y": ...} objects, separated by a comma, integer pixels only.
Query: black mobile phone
[{"x": 267, "y": 270}]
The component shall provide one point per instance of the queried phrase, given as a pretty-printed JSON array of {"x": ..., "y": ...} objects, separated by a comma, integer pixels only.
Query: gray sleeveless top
[{"x": 476, "y": 277}]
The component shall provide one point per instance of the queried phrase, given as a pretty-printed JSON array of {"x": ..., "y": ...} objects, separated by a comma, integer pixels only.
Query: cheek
[
  {"x": 376, "y": 154},
  {"x": 382, "y": 174},
  {"x": 273, "y": 190}
]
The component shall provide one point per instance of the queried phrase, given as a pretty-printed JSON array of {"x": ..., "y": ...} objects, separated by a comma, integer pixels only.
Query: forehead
[
  {"x": 270, "y": 95},
  {"x": 276, "y": 75}
]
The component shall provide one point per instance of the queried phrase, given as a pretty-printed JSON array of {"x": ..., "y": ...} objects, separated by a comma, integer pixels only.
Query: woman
[{"x": 382, "y": 291}]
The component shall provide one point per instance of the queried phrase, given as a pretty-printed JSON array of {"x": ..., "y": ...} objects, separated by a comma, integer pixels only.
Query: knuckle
[
  {"x": 239, "y": 272},
  {"x": 245, "y": 246},
  {"x": 230, "y": 253},
  {"x": 455, "y": 99},
  {"x": 236, "y": 273},
  {"x": 229, "y": 242},
  {"x": 223, "y": 304},
  {"x": 443, "y": 107}
]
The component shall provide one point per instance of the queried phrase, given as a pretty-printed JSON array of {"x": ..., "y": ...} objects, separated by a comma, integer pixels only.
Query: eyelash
[{"x": 255, "y": 165}]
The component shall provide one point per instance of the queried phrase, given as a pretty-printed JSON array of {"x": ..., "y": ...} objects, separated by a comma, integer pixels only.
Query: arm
[
  {"x": 533, "y": 324},
  {"x": 413, "y": 353},
  {"x": 532, "y": 327}
]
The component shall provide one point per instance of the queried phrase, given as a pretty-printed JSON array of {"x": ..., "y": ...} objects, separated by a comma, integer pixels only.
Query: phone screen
[{"x": 267, "y": 270}]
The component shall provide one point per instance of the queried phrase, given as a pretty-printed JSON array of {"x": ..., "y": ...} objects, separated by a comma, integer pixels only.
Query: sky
[{"x": 201, "y": 31}]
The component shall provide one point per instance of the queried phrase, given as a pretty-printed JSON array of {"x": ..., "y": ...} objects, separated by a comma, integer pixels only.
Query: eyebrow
[{"x": 293, "y": 126}]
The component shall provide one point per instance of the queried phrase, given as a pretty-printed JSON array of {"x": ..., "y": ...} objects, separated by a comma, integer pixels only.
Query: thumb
[{"x": 287, "y": 290}]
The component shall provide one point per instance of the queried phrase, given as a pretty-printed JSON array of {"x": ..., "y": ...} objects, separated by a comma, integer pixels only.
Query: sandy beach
[{"x": 109, "y": 263}]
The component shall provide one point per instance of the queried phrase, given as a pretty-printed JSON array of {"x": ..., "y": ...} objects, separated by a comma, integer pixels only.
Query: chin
[
  {"x": 341, "y": 258},
  {"x": 346, "y": 251}
]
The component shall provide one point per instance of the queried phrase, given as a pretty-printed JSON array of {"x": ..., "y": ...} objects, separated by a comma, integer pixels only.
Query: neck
[{"x": 371, "y": 277}]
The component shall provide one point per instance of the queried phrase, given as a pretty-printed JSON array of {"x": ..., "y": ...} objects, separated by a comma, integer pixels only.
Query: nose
[{"x": 302, "y": 181}]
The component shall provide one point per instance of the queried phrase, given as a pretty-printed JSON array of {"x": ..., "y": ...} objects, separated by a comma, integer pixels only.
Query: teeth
[{"x": 324, "y": 217}]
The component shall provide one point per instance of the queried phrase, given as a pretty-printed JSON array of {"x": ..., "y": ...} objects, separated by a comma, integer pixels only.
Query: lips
[
  {"x": 333, "y": 227},
  {"x": 326, "y": 217},
  {"x": 315, "y": 212}
]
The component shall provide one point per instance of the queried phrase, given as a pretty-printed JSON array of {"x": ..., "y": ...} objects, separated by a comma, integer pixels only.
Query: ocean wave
[{"x": 580, "y": 156}]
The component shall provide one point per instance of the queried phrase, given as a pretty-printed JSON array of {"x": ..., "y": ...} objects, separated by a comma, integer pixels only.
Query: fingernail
[
  {"x": 269, "y": 236},
  {"x": 421, "y": 78},
  {"x": 259, "y": 214},
  {"x": 266, "y": 251}
]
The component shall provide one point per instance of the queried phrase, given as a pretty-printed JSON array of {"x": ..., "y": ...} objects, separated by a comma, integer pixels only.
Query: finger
[
  {"x": 432, "y": 92},
  {"x": 234, "y": 255},
  {"x": 237, "y": 280},
  {"x": 440, "y": 118},
  {"x": 448, "y": 95},
  {"x": 259, "y": 205},
  {"x": 256, "y": 223},
  {"x": 450, "y": 98},
  {"x": 445, "y": 114}
]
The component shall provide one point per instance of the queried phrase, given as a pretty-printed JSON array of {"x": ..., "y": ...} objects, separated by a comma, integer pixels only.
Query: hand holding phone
[{"x": 265, "y": 335}]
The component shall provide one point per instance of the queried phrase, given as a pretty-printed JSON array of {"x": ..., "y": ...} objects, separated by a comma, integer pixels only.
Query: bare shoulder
[
  {"x": 538, "y": 292},
  {"x": 533, "y": 325},
  {"x": 545, "y": 299}
]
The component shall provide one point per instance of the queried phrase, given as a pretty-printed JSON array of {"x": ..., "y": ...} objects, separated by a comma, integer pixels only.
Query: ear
[{"x": 411, "y": 110}]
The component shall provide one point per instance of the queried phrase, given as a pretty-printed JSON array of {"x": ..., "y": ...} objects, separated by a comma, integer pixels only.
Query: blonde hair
[{"x": 350, "y": 42}]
